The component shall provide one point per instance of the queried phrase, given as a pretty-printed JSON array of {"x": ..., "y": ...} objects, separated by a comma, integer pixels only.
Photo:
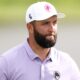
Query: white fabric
[{"x": 41, "y": 11}]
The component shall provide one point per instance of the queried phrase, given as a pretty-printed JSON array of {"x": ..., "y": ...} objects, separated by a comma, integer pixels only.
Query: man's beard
[{"x": 43, "y": 41}]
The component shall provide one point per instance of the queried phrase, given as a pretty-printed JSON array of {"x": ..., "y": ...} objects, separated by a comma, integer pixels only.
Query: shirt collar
[
  {"x": 52, "y": 54},
  {"x": 29, "y": 51}
]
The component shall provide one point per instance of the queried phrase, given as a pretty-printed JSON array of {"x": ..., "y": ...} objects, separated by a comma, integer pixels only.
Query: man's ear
[{"x": 30, "y": 28}]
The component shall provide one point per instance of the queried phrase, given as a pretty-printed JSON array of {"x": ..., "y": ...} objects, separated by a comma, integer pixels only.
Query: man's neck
[{"x": 41, "y": 52}]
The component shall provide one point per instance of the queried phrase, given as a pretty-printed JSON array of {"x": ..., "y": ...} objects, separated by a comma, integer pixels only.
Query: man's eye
[
  {"x": 54, "y": 22},
  {"x": 46, "y": 23}
]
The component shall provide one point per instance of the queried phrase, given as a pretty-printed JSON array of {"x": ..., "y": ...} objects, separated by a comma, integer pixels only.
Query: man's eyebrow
[{"x": 45, "y": 20}]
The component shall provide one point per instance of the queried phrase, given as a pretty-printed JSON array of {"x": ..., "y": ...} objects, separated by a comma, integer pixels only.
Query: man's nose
[{"x": 53, "y": 27}]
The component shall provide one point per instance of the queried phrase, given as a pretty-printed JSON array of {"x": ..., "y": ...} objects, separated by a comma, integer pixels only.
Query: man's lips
[{"x": 50, "y": 37}]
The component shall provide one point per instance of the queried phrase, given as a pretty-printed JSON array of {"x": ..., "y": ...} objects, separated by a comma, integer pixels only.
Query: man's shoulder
[
  {"x": 12, "y": 59},
  {"x": 63, "y": 56},
  {"x": 14, "y": 52}
]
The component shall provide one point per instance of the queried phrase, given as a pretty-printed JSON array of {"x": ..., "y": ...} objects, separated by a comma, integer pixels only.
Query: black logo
[
  {"x": 30, "y": 16},
  {"x": 56, "y": 75}
]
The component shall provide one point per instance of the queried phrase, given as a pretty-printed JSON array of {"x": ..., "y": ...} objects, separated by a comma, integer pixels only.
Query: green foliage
[{"x": 12, "y": 10}]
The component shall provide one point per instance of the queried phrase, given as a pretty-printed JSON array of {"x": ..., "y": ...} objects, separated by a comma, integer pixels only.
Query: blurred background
[{"x": 13, "y": 28}]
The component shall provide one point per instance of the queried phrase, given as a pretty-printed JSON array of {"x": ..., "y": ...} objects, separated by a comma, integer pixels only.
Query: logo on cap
[
  {"x": 30, "y": 16},
  {"x": 47, "y": 7}
]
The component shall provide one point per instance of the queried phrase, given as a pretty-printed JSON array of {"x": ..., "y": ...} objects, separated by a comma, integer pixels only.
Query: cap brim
[{"x": 60, "y": 15}]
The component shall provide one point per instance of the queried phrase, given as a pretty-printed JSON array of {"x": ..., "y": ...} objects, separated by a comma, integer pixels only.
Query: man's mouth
[{"x": 50, "y": 37}]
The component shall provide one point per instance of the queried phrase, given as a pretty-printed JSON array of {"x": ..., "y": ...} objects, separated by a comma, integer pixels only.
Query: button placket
[{"x": 42, "y": 72}]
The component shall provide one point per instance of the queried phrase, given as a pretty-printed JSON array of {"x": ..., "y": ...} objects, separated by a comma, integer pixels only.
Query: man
[{"x": 36, "y": 58}]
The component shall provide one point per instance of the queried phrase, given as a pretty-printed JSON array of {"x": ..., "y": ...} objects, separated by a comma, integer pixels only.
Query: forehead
[{"x": 53, "y": 18}]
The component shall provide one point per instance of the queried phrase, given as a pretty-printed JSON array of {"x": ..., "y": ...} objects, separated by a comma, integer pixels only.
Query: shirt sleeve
[
  {"x": 75, "y": 72},
  {"x": 3, "y": 69}
]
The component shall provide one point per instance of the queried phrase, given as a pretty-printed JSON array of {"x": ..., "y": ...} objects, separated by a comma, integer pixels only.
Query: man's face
[{"x": 45, "y": 32}]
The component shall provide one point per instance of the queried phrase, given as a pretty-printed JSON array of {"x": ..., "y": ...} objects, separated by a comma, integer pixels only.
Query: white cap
[{"x": 41, "y": 11}]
